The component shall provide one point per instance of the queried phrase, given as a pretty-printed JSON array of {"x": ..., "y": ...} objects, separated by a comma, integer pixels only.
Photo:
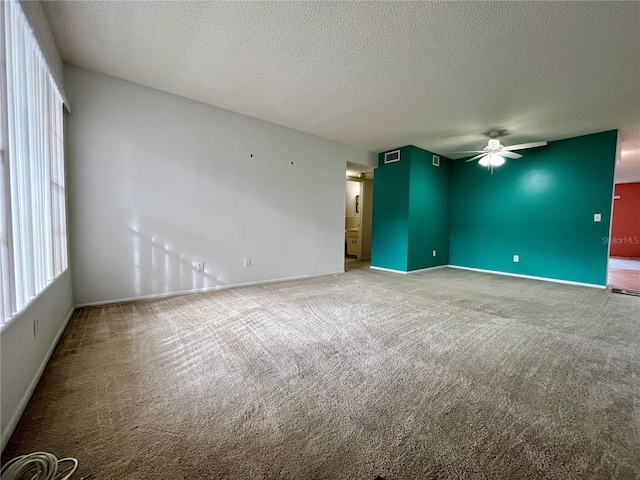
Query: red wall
[{"x": 625, "y": 227}]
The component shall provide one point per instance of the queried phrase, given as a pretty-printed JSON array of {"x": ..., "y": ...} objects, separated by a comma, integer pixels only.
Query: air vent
[
  {"x": 436, "y": 160},
  {"x": 391, "y": 157}
]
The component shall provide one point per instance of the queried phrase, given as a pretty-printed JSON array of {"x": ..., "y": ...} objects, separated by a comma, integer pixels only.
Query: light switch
[{"x": 597, "y": 217}]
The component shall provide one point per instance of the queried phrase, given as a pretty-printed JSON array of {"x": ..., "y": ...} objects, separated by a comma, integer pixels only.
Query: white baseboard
[
  {"x": 428, "y": 268},
  {"x": 202, "y": 290},
  {"x": 390, "y": 270},
  {"x": 8, "y": 429},
  {"x": 409, "y": 272},
  {"x": 531, "y": 277}
]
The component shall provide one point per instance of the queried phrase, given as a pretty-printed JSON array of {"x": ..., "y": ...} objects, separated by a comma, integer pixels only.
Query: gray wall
[
  {"x": 158, "y": 183},
  {"x": 23, "y": 355}
]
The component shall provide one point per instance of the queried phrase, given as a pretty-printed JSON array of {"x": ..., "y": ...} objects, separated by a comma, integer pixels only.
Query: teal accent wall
[
  {"x": 429, "y": 210},
  {"x": 539, "y": 207},
  {"x": 390, "y": 223},
  {"x": 411, "y": 211}
]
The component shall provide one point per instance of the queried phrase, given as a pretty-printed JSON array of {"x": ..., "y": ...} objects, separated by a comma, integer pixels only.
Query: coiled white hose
[{"x": 45, "y": 465}]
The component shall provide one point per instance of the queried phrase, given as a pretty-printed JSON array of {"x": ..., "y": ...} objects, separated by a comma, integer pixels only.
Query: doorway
[
  {"x": 623, "y": 274},
  {"x": 358, "y": 216}
]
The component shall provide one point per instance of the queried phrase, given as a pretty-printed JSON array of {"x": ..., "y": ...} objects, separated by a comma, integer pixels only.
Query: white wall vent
[
  {"x": 436, "y": 160},
  {"x": 391, "y": 157}
]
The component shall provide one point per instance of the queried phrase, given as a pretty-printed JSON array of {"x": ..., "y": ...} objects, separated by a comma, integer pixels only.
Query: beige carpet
[{"x": 441, "y": 374}]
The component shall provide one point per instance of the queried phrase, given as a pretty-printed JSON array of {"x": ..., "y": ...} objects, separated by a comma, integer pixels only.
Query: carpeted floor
[{"x": 440, "y": 374}]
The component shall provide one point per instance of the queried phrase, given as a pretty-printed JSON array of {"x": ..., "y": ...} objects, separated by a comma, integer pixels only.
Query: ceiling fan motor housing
[
  {"x": 494, "y": 144},
  {"x": 495, "y": 133}
]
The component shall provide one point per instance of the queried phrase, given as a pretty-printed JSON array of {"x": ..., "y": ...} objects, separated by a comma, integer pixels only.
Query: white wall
[
  {"x": 158, "y": 182},
  {"x": 23, "y": 356}
]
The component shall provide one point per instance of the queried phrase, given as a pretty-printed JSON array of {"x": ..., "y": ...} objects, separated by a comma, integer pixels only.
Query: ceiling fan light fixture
[
  {"x": 492, "y": 160},
  {"x": 496, "y": 160},
  {"x": 494, "y": 153}
]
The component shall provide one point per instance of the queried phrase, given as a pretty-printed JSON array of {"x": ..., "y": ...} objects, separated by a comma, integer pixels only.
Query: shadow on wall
[{"x": 158, "y": 269}]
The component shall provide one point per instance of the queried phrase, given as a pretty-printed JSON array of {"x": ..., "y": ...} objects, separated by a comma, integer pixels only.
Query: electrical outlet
[
  {"x": 36, "y": 325},
  {"x": 516, "y": 258},
  {"x": 247, "y": 262},
  {"x": 200, "y": 266},
  {"x": 597, "y": 217},
  {"x": 434, "y": 253}
]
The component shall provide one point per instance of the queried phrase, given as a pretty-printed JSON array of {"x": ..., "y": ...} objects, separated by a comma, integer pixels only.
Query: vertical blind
[{"x": 33, "y": 236}]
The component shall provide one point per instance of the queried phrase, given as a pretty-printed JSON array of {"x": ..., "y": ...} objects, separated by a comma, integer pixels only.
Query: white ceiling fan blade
[
  {"x": 525, "y": 145},
  {"x": 483, "y": 154},
  {"x": 471, "y": 151},
  {"x": 504, "y": 153}
]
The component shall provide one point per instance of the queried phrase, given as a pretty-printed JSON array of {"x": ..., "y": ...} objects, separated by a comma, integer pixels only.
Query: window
[{"x": 33, "y": 236}]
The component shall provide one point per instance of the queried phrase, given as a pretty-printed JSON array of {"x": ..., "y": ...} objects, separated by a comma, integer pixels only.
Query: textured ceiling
[{"x": 377, "y": 74}]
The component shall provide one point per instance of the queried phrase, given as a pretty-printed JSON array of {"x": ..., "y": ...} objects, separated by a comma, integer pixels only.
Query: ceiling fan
[{"x": 493, "y": 155}]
